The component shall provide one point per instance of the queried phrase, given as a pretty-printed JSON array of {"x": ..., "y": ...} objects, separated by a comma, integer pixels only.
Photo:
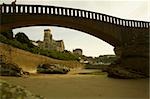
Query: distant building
[
  {"x": 104, "y": 59},
  {"x": 50, "y": 44},
  {"x": 78, "y": 51},
  {"x": 34, "y": 42}
]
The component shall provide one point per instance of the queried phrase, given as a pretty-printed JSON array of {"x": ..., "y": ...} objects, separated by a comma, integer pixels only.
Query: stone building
[
  {"x": 78, "y": 51},
  {"x": 50, "y": 44}
]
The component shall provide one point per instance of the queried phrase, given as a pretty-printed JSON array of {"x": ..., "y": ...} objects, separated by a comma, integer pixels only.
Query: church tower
[
  {"x": 49, "y": 44},
  {"x": 47, "y": 35},
  {"x": 47, "y": 38}
]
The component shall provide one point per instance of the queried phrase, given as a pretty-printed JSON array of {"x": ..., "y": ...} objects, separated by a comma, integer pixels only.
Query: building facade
[
  {"x": 50, "y": 44},
  {"x": 78, "y": 51}
]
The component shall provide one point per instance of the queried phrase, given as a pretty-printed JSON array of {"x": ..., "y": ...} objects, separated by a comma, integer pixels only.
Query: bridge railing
[{"x": 62, "y": 11}]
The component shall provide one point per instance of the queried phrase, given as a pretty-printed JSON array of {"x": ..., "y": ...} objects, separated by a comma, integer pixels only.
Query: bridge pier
[
  {"x": 133, "y": 58},
  {"x": 133, "y": 54}
]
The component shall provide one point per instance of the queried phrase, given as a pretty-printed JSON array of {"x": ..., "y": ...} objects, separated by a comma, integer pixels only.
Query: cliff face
[{"x": 28, "y": 61}]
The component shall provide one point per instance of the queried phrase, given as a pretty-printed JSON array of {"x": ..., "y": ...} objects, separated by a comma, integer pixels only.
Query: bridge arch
[
  {"x": 130, "y": 37},
  {"x": 105, "y": 27}
]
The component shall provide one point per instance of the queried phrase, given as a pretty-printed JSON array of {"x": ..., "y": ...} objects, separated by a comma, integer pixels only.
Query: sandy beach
[{"x": 75, "y": 86}]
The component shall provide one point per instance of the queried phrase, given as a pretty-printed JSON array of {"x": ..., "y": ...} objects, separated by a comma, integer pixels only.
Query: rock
[
  {"x": 134, "y": 50},
  {"x": 52, "y": 69},
  {"x": 9, "y": 91},
  {"x": 11, "y": 70},
  {"x": 122, "y": 73}
]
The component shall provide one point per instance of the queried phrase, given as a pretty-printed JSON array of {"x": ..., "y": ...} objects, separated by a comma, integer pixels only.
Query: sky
[{"x": 91, "y": 46}]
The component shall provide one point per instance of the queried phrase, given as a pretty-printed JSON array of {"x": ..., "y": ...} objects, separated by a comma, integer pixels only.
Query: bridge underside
[{"x": 92, "y": 27}]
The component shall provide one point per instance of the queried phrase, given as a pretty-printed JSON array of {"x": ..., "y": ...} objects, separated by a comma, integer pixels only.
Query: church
[{"x": 49, "y": 44}]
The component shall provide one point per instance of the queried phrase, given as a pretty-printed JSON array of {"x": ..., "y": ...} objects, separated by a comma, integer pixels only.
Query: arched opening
[{"x": 91, "y": 46}]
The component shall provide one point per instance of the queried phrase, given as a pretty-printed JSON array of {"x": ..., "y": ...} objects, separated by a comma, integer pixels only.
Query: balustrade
[{"x": 51, "y": 10}]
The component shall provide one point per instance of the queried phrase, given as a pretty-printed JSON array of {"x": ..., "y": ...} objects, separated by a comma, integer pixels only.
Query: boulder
[
  {"x": 52, "y": 69},
  {"x": 9, "y": 69}
]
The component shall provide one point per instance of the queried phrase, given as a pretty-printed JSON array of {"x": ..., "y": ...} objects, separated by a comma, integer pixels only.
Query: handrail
[{"x": 64, "y": 11}]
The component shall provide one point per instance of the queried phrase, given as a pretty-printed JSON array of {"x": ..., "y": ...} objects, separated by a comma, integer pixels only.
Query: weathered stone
[
  {"x": 134, "y": 56},
  {"x": 9, "y": 91},
  {"x": 139, "y": 64},
  {"x": 49, "y": 44},
  {"x": 11, "y": 70},
  {"x": 133, "y": 52},
  {"x": 52, "y": 69},
  {"x": 122, "y": 73}
]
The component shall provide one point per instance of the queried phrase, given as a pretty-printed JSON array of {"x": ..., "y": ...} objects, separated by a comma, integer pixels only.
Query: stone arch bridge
[{"x": 130, "y": 38}]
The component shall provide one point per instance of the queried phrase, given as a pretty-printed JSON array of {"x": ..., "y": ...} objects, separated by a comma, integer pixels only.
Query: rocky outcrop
[
  {"x": 123, "y": 73},
  {"x": 120, "y": 69},
  {"x": 135, "y": 60},
  {"x": 52, "y": 69},
  {"x": 8, "y": 69},
  {"x": 9, "y": 91},
  {"x": 133, "y": 53}
]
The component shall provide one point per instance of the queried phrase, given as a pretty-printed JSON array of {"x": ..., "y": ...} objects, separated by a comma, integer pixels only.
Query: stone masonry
[{"x": 50, "y": 44}]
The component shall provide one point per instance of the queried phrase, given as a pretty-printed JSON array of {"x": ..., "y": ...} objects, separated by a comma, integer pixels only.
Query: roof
[{"x": 47, "y": 30}]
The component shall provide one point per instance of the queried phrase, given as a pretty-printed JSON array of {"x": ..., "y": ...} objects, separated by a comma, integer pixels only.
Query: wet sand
[{"x": 82, "y": 86}]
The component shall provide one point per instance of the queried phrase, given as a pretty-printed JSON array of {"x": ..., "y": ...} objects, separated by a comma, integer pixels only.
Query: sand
[{"x": 83, "y": 86}]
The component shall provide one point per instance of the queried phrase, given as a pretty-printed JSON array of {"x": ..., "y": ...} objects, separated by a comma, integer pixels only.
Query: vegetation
[
  {"x": 22, "y": 41},
  {"x": 58, "y": 55},
  {"x": 21, "y": 37},
  {"x": 8, "y": 34}
]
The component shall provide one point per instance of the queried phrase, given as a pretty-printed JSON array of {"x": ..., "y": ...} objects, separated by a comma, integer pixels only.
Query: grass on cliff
[{"x": 36, "y": 50}]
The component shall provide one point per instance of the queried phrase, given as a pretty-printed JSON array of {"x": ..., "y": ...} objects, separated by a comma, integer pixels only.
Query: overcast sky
[{"x": 92, "y": 46}]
